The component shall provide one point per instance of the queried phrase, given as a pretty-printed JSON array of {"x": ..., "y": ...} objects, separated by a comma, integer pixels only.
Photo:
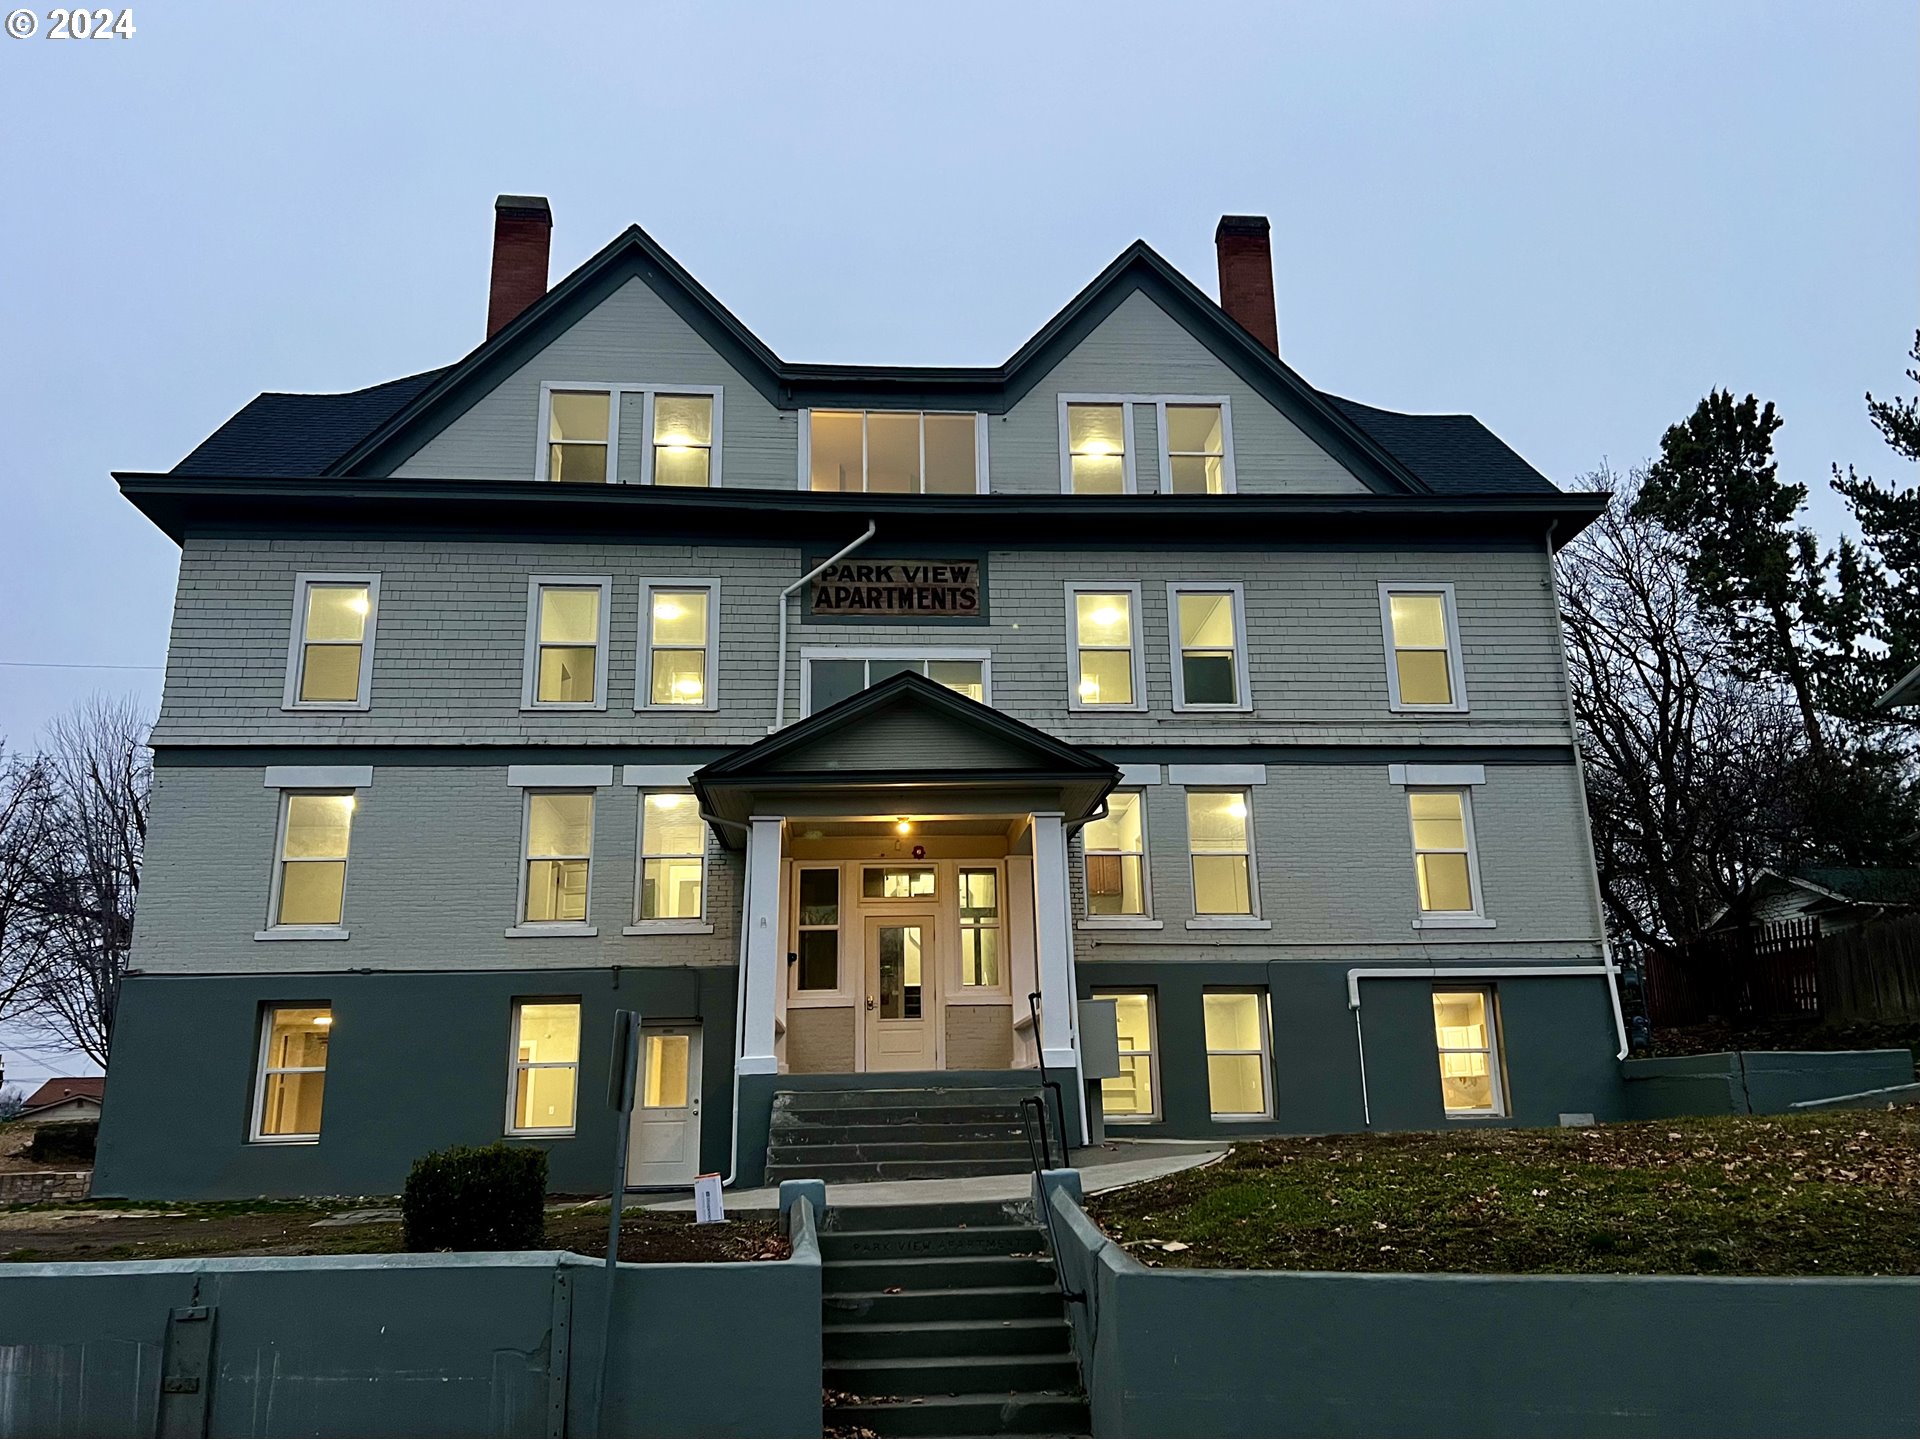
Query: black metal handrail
[
  {"x": 1046, "y": 1083},
  {"x": 1033, "y": 1125}
]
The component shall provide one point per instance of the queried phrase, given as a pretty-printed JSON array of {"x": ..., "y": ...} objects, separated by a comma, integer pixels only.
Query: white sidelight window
[
  {"x": 567, "y": 618},
  {"x": 673, "y": 858},
  {"x": 1133, "y": 1094},
  {"x": 546, "y": 1067},
  {"x": 310, "y": 878},
  {"x": 887, "y": 452},
  {"x": 1116, "y": 858},
  {"x": 1446, "y": 870},
  {"x": 682, "y": 651},
  {"x": 682, "y": 428},
  {"x": 980, "y": 949},
  {"x": 579, "y": 431},
  {"x": 1220, "y": 845},
  {"x": 1096, "y": 440},
  {"x": 1466, "y": 1036},
  {"x": 816, "y": 968},
  {"x": 330, "y": 662},
  {"x": 292, "y": 1076},
  {"x": 557, "y": 868},
  {"x": 830, "y": 674},
  {"x": 1104, "y": 658},
  {"x": 1423, "y": 648},
  {"x": 1237, "y": 1054},
  {"x": 1196, "y": 447},
  {"x": 1209, "y": 647}
]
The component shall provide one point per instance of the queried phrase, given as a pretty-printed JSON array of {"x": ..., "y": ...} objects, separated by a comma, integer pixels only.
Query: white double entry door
[{"x": 663, "y": 1147}]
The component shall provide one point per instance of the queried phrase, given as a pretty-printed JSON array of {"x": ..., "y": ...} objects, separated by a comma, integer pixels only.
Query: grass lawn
[{"x": 1830, "y": 1194}]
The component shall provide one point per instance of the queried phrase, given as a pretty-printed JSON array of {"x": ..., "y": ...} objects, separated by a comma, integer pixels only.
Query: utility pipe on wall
[{"x": 780, "y": 686}]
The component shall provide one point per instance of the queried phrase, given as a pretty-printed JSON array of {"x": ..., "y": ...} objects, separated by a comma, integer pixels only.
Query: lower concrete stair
[
  {"x": 945, "y": 1320},
  {"x": 851, "y": 1135}
]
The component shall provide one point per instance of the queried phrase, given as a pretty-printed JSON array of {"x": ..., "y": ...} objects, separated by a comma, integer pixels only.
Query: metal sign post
[{"x": 622, "y": 1075}]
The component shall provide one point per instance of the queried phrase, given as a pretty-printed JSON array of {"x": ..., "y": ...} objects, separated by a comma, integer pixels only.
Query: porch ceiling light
[
  {"x": 323, "y": 1020},
  {"x": 903, "y": 825}
]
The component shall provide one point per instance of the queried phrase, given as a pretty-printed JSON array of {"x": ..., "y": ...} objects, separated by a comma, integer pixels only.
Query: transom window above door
[
  {"x": 834, "y": 675},
  {"x": 891, "y": 452}
]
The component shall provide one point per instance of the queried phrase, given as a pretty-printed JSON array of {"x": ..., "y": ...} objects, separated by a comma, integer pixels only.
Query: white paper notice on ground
[{"x": 706, "y": 1200}]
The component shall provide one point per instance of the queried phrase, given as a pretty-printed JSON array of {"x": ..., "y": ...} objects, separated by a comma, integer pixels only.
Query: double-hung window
[
  {"x": 816, "y": 969},
  {"x": 682, "y": 430},
  {"x": 546, "y": 1067},
  {"x": 630, "y": 434},
  {"x": 292, "y": 1074},
  {"x": 1465, "y": 1034},
  {"x": 832, "y": 674},
  {"x": 579, "y": 436},
  {"x": 682, "y": 618},
  {"x": 1116, "y": 858},
  {"x": 673, "y": 859},
  {"x": 558, "y": 858},
  {"x": 980, "y": 952},
  {"x": 889, "y": 452},
  {"x": 1236, "y": 1034},
  {"x": 1133, "y": 1094},
  {"x": 1423, "y": 648},
  {"x": 567, "y": 642},
  {"x": 1209, "y": 647},
  {"x": 1196, "y": 447},
  {"x": 310, "y": 878},
  {"x": 1103, "y": 624},
  {"x": 1220, "y": 842},
  {"x": 330, "y": 663},
  {"x": 1446, "y": 868},
  {"x": 1097, "y": 438}
]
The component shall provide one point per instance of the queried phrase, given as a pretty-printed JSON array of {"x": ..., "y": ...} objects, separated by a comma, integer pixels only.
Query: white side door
[{"x": 664, "y": 1146}]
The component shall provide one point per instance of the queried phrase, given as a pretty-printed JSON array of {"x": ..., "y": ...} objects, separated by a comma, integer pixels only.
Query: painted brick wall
[
  {"x": 820, "y": 1039},
  {"x": 979, "y": 1037}
]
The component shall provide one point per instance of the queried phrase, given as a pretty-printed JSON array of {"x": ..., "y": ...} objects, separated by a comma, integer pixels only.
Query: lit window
[
  {"x": 293, "y": 1072},
  {"x": 831, "y": 679},
  {"x": 312, "y": 882},
  {"x": 333, "y": 642},
  {"x": 1423, "y": 658},
  {"x": 1443, "y": 851},
  {"x": 664, "y": 1076},
  {"x": 1116, "y": 855},
  {"x": 892, "y": 452},
  {"x": 1463, "y": 1031},
  {"x": 1236, "y": 1027},
  {"x": 559, "y": 856},
  {"x": 980, "y": 928},
  {"x": 1218, "y": 836},
  {"x": 1208, "y": 665},
  {"x": 818, "y": 946},
  {"x": 898, "y": 882},
  {"x": 1196, "y": 449},
  {"x": 569, "y": 632},
  {"x": 1132, "y": 1094},
  {"x": 1097, "y": 449},
  {"x": 679, "y": 651},
  {"x": 1106, "y": 660},
  {"x": 673, "y": 850},
  {"x": 577, "y": 431},
  {"x": 546, "y": 1065},
  {"x": 683, "y": 440}
]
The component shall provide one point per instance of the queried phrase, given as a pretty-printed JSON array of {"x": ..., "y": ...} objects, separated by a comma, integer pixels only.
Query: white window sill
[
  {"x": 339, "y": 707},
  {"x": 302, "y": 932},
  {"x": 1107, "y": 1119},
  {"x": 819, "y": 1000},
  {"x": 1241, "y": 1119},
  {"x": 546, "y": 932},
  {"x": 563, "y": 709},
  {"x": 668, "y": 927},
  {"x": 286, "y": 1140},
  {"x": 1231, "y": 711},
  {"x": 1121, "y": 922},
  {"x": 1476, "y": 1115},
  {"x": 555, "y": 1134},
  {"x": 1106, "y": 710},
  {"x": 1228, "y": 922},
  {"x": 1453, "y": 922},
  {"x": 1418, "y": 710},
  {"x": 676, "y": 709}
]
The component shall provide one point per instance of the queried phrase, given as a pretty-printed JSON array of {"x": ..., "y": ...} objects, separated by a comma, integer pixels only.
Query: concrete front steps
[
  {"x": 945, "y": 1320},
  {"x": 850, "y": 1135}
]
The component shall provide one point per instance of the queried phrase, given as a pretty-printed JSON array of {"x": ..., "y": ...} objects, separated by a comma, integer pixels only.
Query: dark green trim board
[{"x": 418, "y": 1062}]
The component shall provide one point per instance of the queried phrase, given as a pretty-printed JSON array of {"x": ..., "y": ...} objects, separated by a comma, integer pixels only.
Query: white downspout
[
  {"x": 780, "y": 686},
  {"x": 739, "y": 1006}
]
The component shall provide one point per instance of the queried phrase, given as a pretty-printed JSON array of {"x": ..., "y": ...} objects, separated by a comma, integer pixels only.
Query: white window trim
[
  {"x": 523, "y": 928},
  {"x": 843, "y": 993},
  {"x": 613, "y": 391},
  {"x": 1495, "y": 1064},
  {"x": 1152, "y": 997},
  {"x": 1160, "y": 404},
  {"x": 964, "y": 653},
  {"x": 255, "y": 1134},
  {"x": 296, "y": 646},
  {"x": 1138, "y": 649},
  {"x": 1003, "y": 988},
  {"x": 643, "y": 663},
  {"x": 530, "y": 661},
  {"x": 981, "y": 481},
  {"x": 274, "y": 930},
  {"x": 1476, "y": 918},
  {"x": 1198, "y": 921},
  {"x": 1143, "y": 921},
  {"x": 1262, "y": 1003},
  {"x": 1242, "y": 679},
  {"x": 1456, "y": 669},
  {"x": 684, "y": 925},
  {"x": 514, "y": 1067},
  {"x": 1128, "y": 470}
]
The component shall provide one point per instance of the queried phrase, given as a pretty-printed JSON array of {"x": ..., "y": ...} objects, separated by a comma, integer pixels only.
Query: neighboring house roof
[
  {"x": 368, "y": 431},
  {"x": 1905, "y": 691},
  {"x": 72, "y": 1087},
  {"x": 1839, "y": 888}
]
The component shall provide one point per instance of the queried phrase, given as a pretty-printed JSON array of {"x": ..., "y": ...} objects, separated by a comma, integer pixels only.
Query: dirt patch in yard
[
  {"x": 1829, "y": 1194},
  {"x": 14, "y": 1139}
]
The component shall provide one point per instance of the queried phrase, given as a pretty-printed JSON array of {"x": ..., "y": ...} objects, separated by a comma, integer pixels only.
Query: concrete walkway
[{"x": 1101, "y": 1167}]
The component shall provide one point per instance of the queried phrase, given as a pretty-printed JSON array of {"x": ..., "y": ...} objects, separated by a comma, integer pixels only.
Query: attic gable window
[
  {"x": 1195, "y": 449},
  {"x": 578, "y": 436},
  {"x": 888, "y": 452},
  {"x": 629, "y": 434}
]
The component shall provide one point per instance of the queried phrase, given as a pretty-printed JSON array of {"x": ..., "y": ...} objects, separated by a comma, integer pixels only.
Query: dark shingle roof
[
  {"x": 279, "y": 436},
  {"x": 1453, "y": 454},
  {"x": 1883, "y": 885}
]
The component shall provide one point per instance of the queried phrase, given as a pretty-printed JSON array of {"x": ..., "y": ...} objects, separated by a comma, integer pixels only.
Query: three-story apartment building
[{"x": 826, "y": 714}]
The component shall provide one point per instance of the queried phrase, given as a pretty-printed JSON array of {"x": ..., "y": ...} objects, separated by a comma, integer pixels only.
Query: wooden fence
[{"x": 1789, "y": 970}]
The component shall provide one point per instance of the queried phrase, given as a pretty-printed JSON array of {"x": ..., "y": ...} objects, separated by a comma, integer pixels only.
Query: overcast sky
[{"x": 1569, "y": 220}]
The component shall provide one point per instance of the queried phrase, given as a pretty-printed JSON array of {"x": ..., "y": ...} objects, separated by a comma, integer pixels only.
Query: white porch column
[
  {"x": 1053, "y": 943},
  {"x": 764, "y": 967}
]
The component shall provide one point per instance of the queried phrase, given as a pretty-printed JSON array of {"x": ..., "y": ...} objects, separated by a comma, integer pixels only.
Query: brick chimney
[
  {"x": 522, "y": 235},
  {"x": 1246, "y": 275}
]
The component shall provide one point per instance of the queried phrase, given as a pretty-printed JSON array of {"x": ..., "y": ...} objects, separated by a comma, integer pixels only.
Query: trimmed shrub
[
  {"x": 71, "y": 1140},
  {"x": 476, "y": 1197}
]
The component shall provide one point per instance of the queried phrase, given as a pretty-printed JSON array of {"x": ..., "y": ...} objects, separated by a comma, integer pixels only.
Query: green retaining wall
[
  {"x": 1223, "y": 1352},
  {"x": 419, "y": 1345},
  {"x": 1756, "y": 1082}
]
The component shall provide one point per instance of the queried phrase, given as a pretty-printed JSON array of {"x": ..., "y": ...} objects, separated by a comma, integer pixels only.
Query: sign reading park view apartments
[{"x": 898, "y": 589}]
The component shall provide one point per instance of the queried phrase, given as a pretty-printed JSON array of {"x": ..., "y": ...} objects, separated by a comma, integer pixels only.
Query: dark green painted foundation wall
[{"x": 418, "y": 1061}]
